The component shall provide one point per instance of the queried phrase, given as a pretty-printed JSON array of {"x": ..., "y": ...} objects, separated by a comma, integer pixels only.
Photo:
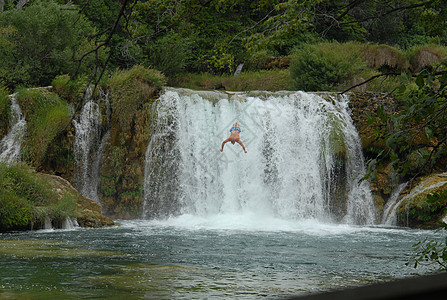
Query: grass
[{"x": 266, "y": 80}]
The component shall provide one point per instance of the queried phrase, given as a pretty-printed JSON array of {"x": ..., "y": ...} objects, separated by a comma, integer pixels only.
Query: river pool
[{"x": 224, "y": 257}]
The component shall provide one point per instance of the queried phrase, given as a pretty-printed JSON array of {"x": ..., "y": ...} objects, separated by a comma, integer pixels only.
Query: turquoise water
[{"x": 199, "y": 258}]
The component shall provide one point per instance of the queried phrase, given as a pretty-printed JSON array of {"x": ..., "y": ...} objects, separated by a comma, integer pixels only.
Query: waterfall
[
  {"x": 88, "y": 146},
  {"x": 390, "y": 215},
  {"x": 11, "y": 144},
  {"x": 297, "y": 144},
  {"x": 389, "y": 212}
]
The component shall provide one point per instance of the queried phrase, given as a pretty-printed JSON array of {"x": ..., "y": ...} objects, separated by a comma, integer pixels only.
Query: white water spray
[
  {"x": 389, "y": 212},
  {"x": 293, "y": 141},
  {"x": 11, "y": 144},
  {"x": 88, "y": 147}
]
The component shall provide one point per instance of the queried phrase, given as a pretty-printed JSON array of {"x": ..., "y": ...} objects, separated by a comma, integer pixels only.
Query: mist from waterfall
[
  {"x": 11, "y": 144},
  {"x": 292, "y": 169}
]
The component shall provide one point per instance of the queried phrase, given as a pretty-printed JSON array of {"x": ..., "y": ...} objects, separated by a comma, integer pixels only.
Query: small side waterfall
[
  {"x": 304, "y": 157},
  {"x": 390, "y": 215},
  {"x": 11, "y": 144},
  {"x": 389, "y": 212},
  {"x": 88, "y": 147}
]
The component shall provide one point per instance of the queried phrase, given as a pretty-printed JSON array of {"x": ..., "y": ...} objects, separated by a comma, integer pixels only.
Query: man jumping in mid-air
[{"x": 234, "y": 137}]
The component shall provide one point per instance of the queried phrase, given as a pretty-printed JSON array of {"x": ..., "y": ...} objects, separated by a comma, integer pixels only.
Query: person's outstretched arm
[{"x": 240, "y": 143}]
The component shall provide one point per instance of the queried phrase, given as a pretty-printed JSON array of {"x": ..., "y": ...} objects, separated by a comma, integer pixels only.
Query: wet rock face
[
  {"x": 365, "y": 105},
  {"x": 122, "y": 165}
]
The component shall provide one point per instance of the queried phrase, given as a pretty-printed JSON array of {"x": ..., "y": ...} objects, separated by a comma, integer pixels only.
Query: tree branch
[
  {"x": 389, "y": 12},
  {"x": 390, "y": 74}
]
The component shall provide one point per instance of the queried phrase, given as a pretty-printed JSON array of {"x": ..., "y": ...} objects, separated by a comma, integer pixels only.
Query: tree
[
  {"x": 40, "y": 41},
  {"x": 416, "y": 136}
]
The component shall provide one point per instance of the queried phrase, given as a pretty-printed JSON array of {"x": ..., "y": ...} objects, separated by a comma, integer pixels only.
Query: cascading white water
[
  {"x": 389, "y": 212},
  {"x": 293, "y": 140},
  {"x": 11, "y": 144},
  {"x": 88, "y": 147}
]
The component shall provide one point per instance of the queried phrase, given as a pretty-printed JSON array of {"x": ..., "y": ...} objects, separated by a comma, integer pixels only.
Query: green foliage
[
  {"x": 130, "y": 90},
  {"x": 429, "y": 251},
  {"x": 40, "y": 41},
  {"x": 20, "y": 192},
  {"x": 425, "y": 55},
  {"x": 257, "y": 60},
  {"x": 64, "y": 208},
  {"x": 47, "y": 117},
  {"x": 68, "y": 88},
  {"x": 169, "y": 54},
  {"x": 5, "y": 104},
  {"x": 27, "y": 197},
  {"x": 15, "y": 212},
  {"x": 323, "y": 67},
  {"x": 420, "y": 127}
]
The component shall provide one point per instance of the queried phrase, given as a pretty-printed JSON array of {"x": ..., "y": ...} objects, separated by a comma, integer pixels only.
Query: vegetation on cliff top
[{"x": 94, "y": 37}]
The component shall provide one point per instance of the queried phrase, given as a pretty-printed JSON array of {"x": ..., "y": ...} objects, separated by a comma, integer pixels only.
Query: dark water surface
[{"x": 202, "y": 259}]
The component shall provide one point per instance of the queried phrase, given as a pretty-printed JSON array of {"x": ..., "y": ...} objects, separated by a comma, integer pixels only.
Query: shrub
[
  {"x": 270, "y": 80},
  {"x": 325, "y": 66},
  {"x": 15, "y": 212},
  {"x": 424, "y": 55},
  {"x": 384, "y": 56},
  {"x": 267, "y": 80},
  {"x": 257, "y": 60},
  {"x": 169, "y": 54}
]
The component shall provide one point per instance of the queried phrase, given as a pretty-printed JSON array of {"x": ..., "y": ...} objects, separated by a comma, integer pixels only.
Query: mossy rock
[
  {"x": 122, "y": 165},
  {"x": 29, "y": 199},
  {"x": 88, "y": 212},
  {"x": 417, "y": 210}
]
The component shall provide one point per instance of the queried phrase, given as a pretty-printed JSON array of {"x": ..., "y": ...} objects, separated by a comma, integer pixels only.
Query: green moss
[
  {"x": 49, "y": 249},
  {"x": 47, "y": 116},
  {"x": 26, "y": 198},
  {"x": 132, "y": 94},
  {"x": 15, "y": 211},
  {"x": 419, "y": 210},
  {"x": 130, "y": 90}
]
